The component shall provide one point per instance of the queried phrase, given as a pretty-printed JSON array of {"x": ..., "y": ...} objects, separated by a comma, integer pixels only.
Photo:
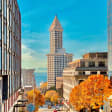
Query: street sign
[{"x": 30, "y": 107}]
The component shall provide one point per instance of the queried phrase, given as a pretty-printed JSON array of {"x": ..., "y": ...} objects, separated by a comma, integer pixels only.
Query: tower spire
[{"x": 56, "y": 25}]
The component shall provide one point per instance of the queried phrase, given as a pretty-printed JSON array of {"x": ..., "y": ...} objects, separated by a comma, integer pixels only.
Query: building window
[
  {"x": 80, "y": 81},
  {"x": 13, "y": 26},
  {"x": 93, "y": 73},
  {"x": 10, "y": 85},
  {"x": 103, "y": 73},
  {"x": 10, "y": 1},
  {"x": 5, "y": 88},
  {"x": 10, "y": 40},
  {"x": 82, "y": 64},
  {"x": 10, "y": 63},
  {"x": 0, "y": 4},
  {"x": 5, "y": 34},
  {"x": 5, "y": 60},
  {"x": 0, "y": 28},
  {"x": 5, "y": 8},
  {"x": 10, "y": 18},
  {"x": 92, "y": 64},
  {"x": 0, "y": 58},
  {"x": 101, "y": 64},
  {"x": 80, "y": 73}
]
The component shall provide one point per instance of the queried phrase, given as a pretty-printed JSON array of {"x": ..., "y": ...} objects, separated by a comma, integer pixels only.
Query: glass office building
[{"x": 10, "y": 53}]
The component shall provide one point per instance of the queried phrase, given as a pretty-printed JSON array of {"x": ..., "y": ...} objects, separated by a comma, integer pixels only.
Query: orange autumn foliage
[
  {"x": 35, "y": 97},
  {"x": 52, "y": 96},
  {"x": 91, "y": 93},
  {"x": 44, "y": 85}
]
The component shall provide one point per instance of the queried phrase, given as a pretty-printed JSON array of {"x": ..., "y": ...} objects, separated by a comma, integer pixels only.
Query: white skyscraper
[{"x": 57, "y": 58}]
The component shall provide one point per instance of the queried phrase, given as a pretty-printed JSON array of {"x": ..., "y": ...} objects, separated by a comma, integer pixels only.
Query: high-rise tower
[
  {"x": 55, "y": 36},
  {"x": 10, "y": 54},
  {"x": 57, "y": 58}
]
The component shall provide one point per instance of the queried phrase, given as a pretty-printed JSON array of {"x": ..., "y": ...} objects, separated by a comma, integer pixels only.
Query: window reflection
[
  {"x": 5, "y": 34},
  {"x": 10, "y": 19},
  {"x": 0, "y": 58},
  {"x": 5, "y": 60},
  {"x": 10, "y": 39},
  {"x": 5, "y": 8},
  {"x": 0, "y": 4},
  {"x": 0, "y": 29},
  {"x": 10, "y": 62}
]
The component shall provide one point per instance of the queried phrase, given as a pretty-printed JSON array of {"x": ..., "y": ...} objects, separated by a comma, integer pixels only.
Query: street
[
  {"x": 48, "y": 110},
  {"x": 45, "y": 109}
]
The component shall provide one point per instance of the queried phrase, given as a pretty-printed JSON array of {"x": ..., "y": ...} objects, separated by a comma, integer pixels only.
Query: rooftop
[{"x": 56, "y": 26}]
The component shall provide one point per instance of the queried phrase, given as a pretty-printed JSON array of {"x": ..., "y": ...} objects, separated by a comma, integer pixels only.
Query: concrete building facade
[
  {"x": 59, "y": 82},
  {"x": 79, "y": 70},
  {"x": 57, "y": 59},
  {"x": 10, "y": 53},
  {"x": 28, "y": 79}
]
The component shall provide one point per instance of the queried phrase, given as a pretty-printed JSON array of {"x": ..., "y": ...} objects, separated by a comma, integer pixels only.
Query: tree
[
  {"x": 35, "y": 97},
  {"x": 43, "y": 87},
  {"x": 91, "y": 93},
  {"x": 52, "y": 96},
  {"x": 52, "y": 88}
]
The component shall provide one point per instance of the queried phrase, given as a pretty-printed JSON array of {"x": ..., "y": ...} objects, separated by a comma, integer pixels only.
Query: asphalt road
[{"x": 48, "y": 110}]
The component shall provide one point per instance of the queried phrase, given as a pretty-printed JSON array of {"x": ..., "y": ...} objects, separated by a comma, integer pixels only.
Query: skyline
[{"x": 84, "y": 27}]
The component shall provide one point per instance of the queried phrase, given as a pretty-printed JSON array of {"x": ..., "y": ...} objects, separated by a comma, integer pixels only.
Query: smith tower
[
  {"x": 55, "y": 36},
  {"x": 57, "y": 58}
]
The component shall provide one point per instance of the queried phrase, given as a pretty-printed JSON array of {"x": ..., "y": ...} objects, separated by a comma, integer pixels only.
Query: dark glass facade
[{"x": 10, "y": 47}]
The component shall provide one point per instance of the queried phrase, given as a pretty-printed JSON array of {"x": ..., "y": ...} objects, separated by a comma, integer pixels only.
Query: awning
[
  {"x": 24, "y": 100},
  {"x": 19, "y": 105}
]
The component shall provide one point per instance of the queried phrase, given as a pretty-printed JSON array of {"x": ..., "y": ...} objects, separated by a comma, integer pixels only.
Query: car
[{"x": 57, "y": 109}]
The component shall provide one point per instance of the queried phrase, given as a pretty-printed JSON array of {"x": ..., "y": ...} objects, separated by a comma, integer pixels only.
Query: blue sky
[{"x": 84, "y": 23}]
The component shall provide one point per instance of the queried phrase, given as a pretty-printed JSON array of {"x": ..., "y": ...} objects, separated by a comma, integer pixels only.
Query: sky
[{"x": 84, "y": 23}]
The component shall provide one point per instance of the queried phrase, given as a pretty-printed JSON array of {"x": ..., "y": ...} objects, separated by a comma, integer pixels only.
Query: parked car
[{"x": 57, "y": 108}]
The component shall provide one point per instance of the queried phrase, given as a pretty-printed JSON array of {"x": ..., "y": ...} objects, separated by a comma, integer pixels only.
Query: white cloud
[{"x": 32, "y": 59}]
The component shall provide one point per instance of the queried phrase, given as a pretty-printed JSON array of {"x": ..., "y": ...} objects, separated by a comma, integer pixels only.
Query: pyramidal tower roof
[{"x": 56, "y": 25}]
